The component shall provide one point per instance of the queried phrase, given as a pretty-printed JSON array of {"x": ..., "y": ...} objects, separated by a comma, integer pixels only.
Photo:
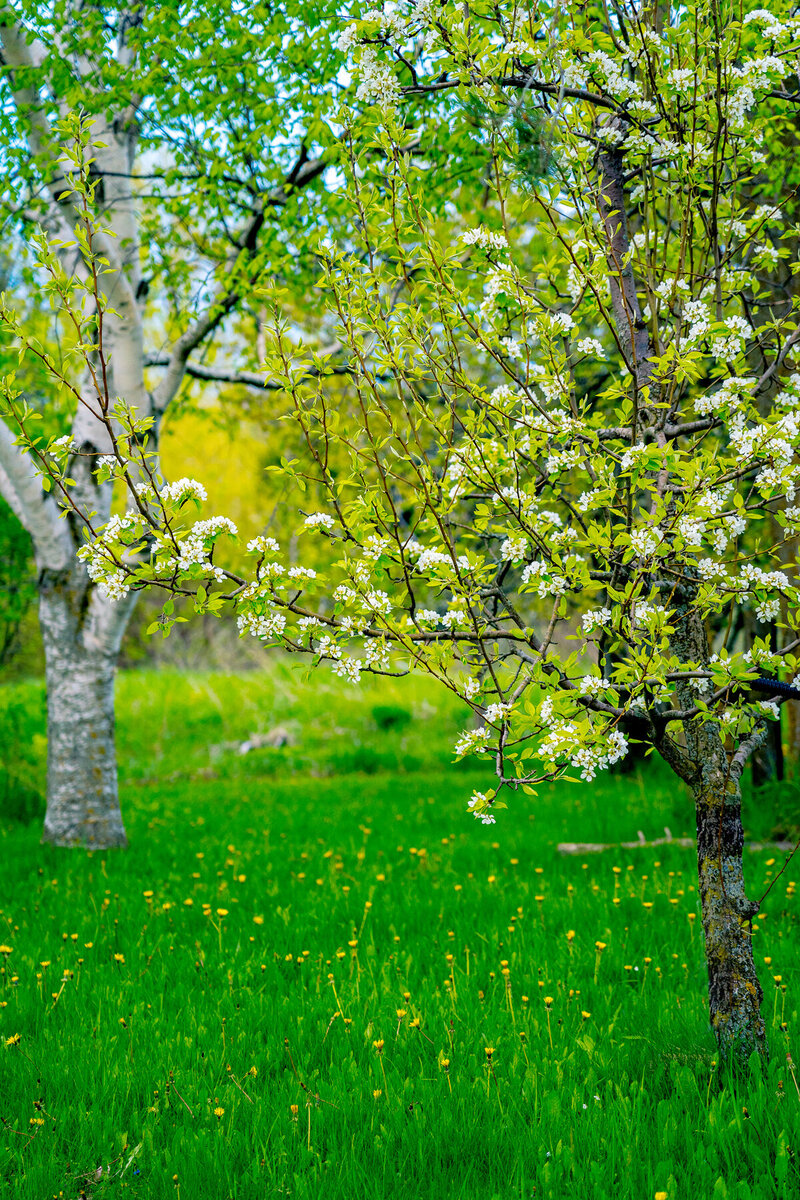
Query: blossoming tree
[{"x": 573, "y": 422}]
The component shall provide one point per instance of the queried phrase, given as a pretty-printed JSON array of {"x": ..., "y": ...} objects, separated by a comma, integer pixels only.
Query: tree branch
[
  {"x": 747, "y": 747},
  {"x": 251, "y": 379},
  {"x": 37, "y": 511},
  {"x": 300, "y": 176}
]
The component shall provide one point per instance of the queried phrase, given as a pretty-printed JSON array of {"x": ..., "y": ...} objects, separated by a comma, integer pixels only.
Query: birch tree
[
  {"x": 578, "y": 412},
  {"x": 203, "y": 131}
]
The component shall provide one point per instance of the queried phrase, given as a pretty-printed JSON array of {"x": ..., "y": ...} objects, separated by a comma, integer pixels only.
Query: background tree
[
  {"x": 206, "y": 129},
  {"x": 210, "y": 132}
]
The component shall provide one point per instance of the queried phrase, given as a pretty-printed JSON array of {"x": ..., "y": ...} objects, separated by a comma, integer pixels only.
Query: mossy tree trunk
[
  {"x": 734, "y": 992},
  {"x": 713, "y": 771}
]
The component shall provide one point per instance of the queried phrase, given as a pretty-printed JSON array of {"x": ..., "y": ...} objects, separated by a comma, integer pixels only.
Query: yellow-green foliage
[{"x": 228, "y": 460}]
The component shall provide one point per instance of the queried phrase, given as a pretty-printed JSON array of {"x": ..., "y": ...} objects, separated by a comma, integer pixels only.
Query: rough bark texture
[
  {"x": 734, "y": 992},
  {"x": 80, "y": 660}
]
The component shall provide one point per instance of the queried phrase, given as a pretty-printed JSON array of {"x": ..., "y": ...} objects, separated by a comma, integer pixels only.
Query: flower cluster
[{"x": 487, "y": 239}]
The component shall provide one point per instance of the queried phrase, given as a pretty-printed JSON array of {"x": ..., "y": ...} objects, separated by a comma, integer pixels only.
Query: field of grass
[{"x": 313, "y": 975}]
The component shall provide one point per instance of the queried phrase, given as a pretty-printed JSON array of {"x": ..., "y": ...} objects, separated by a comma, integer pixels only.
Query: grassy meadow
[{"x": 314, "y": 975}]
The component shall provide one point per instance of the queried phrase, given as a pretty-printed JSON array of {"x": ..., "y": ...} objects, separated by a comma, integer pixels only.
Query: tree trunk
[
  {"x": 734, "y": 992},
  {"x": 82, "y": 797}
]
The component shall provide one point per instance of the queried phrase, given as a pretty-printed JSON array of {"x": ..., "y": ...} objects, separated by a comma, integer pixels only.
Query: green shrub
[{"x": 390, "y": 716}]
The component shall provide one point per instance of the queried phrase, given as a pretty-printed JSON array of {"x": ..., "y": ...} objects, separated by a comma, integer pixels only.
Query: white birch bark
[{"x": 81, "y": 629}]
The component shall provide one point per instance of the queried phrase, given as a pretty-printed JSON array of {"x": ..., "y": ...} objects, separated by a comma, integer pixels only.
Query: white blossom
[
  {"x": 319, "y": 520},
  {"x": 487, "y": 239},
  {"x": 593, "y": 685},
  {"x": 183, "y": 489},
  {"x": 263, "y": 545},
  {"x": 497, "y": 712},
  {"x": 596, "y": 618},
  {"x": 378, "y": 81},
  {"x": 472, "y": 741},
  {"x": 645, "y": 542},
  {"x": 590, "y": 346},
  {"x": 266, "y": 625}
]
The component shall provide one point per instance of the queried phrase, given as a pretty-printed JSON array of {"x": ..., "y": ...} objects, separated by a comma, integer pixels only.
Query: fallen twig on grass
[{"x": 667, "y": 840}]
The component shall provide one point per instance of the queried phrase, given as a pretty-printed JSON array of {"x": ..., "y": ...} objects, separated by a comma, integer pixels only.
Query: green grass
[{"x": 350, "y": 874}]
